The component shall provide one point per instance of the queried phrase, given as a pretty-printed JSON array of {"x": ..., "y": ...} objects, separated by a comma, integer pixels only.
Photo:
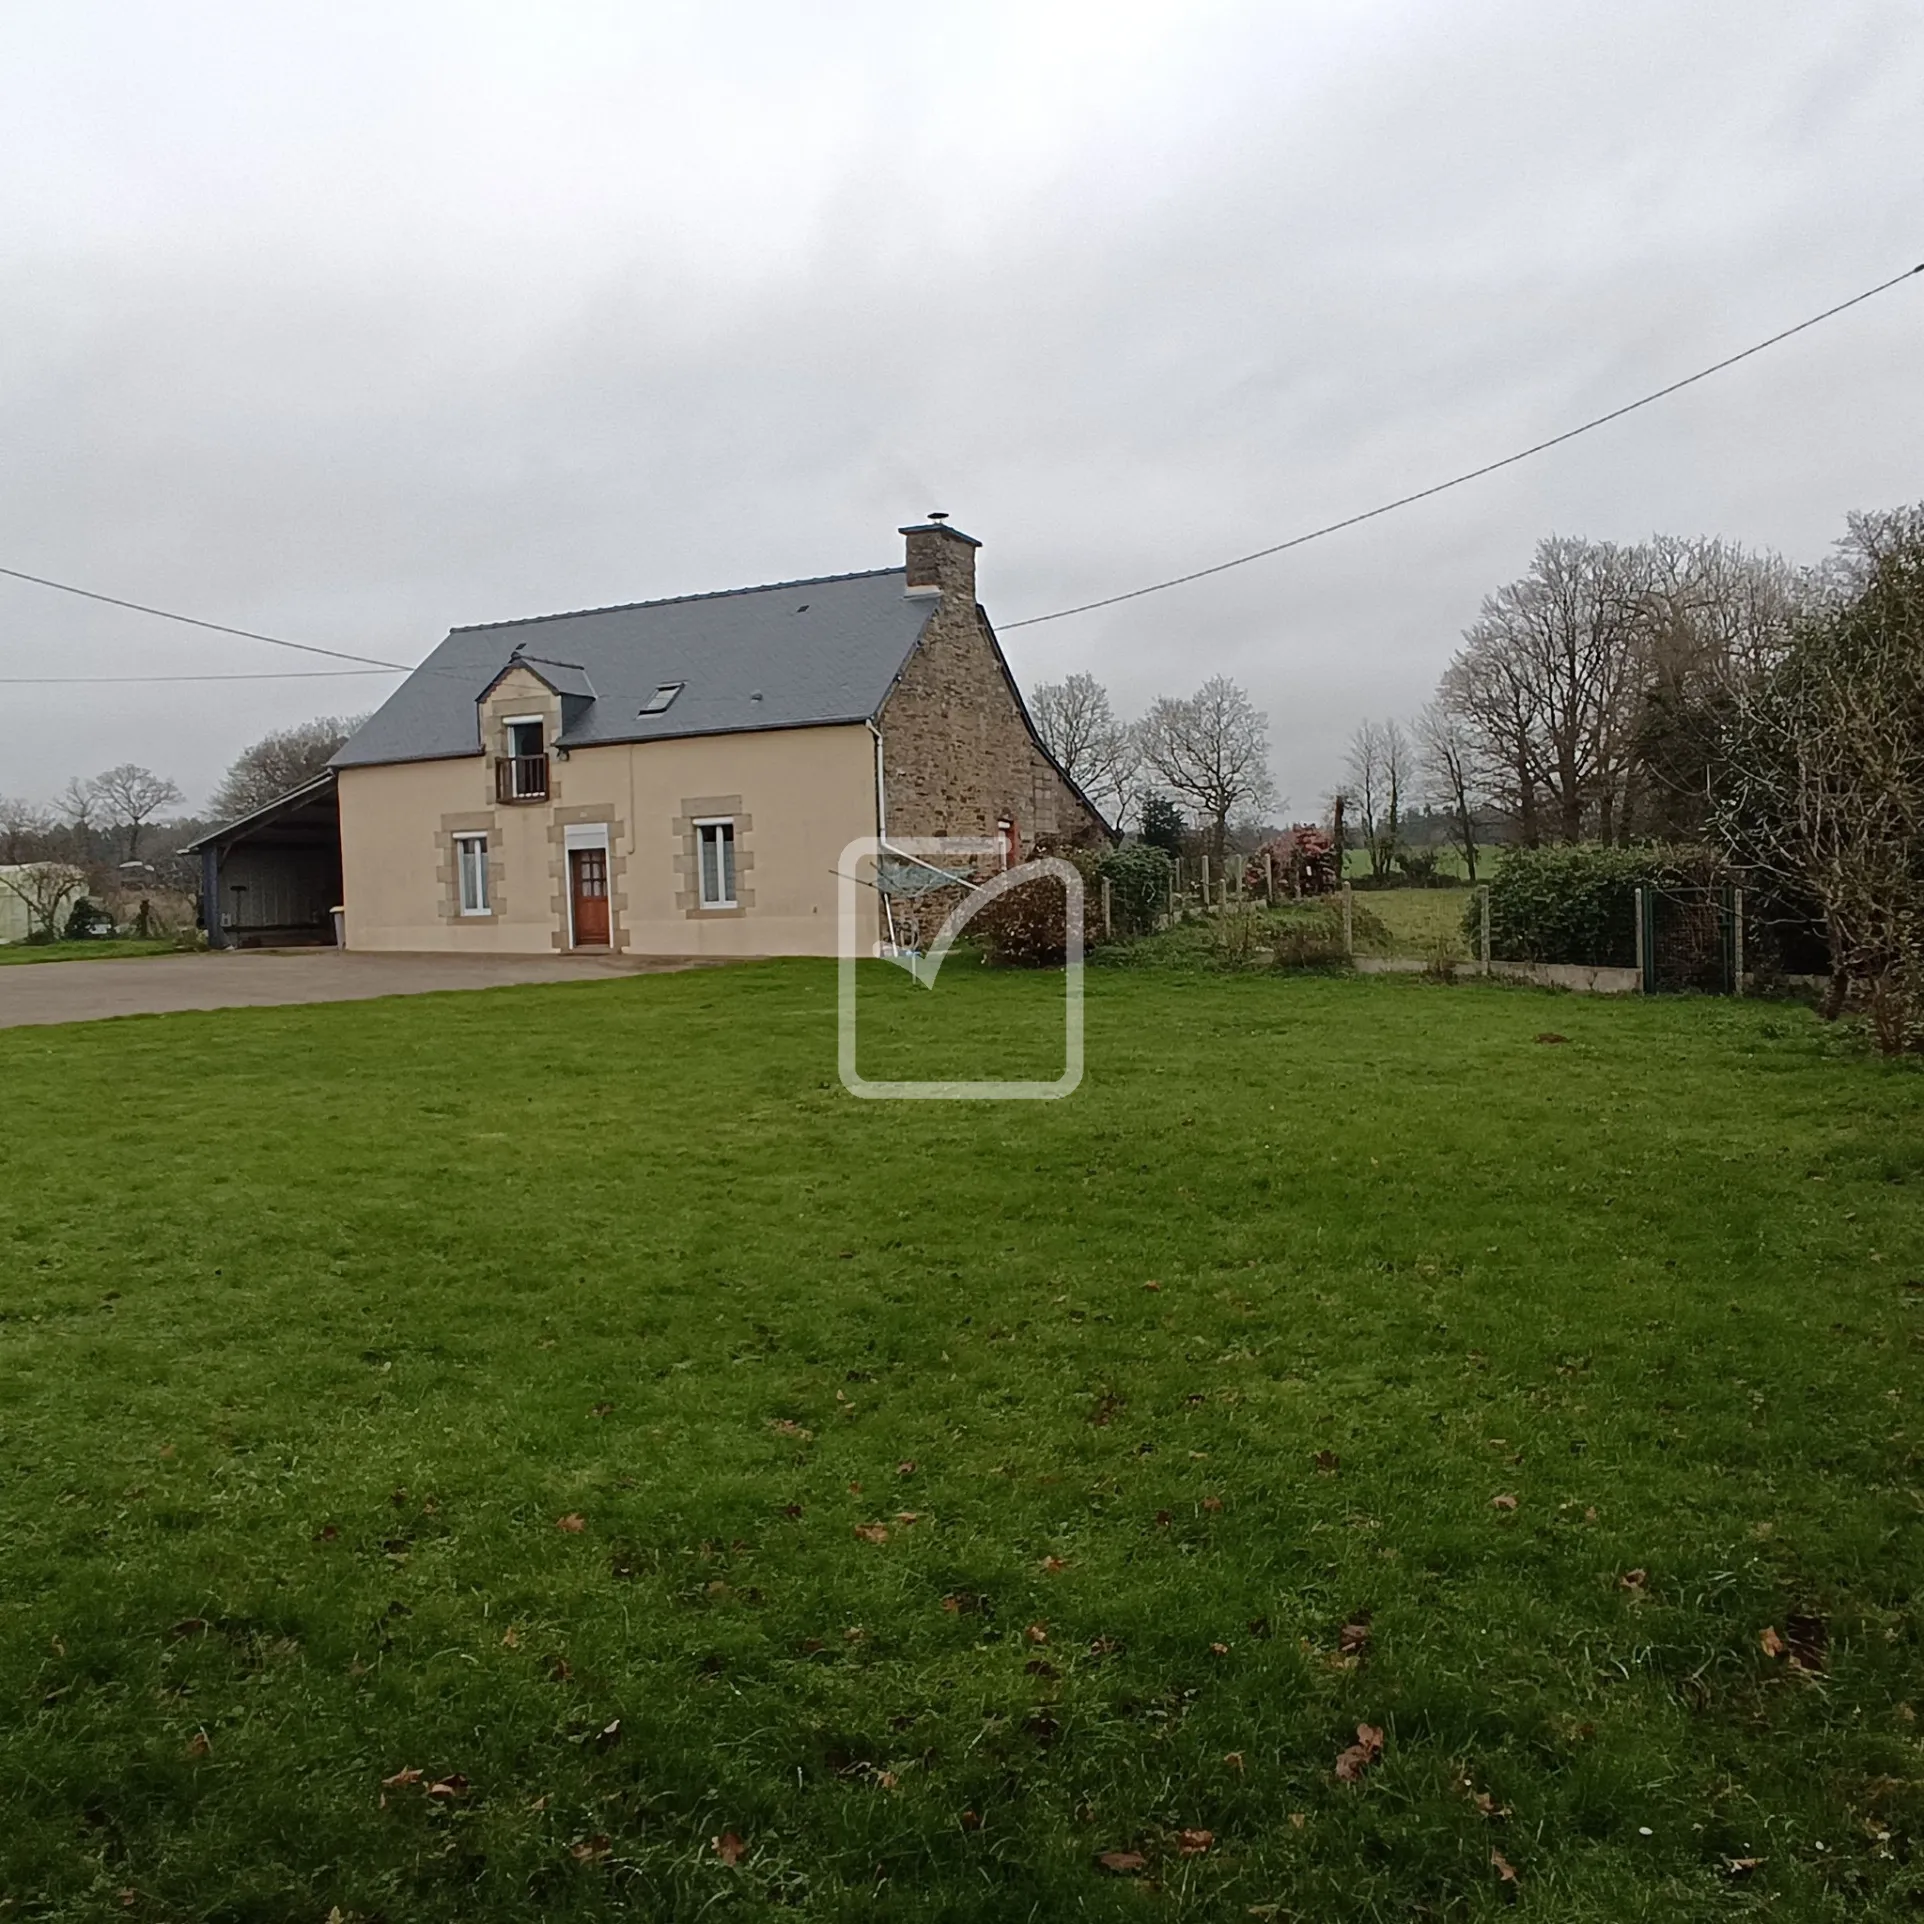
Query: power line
[
  {"x": 96, "y": 681},
  {"x": 1456, "y": 481},
  {"x": 194, "y": 621}
]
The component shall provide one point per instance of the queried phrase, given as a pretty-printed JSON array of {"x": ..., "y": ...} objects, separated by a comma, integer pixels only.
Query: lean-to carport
[{"x": 273, "y": 878}]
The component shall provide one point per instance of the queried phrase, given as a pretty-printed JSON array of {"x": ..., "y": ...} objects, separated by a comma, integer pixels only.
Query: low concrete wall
[{"x": 1546, "y": 975}]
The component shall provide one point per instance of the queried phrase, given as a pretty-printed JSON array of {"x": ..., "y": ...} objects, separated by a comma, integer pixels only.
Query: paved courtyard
[{"x": 42, "y": 992}]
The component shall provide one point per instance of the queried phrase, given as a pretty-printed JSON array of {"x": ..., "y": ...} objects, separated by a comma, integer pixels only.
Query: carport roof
[
  {"x": 792, "y": 654},
  {"x": 311, "y": 807}
]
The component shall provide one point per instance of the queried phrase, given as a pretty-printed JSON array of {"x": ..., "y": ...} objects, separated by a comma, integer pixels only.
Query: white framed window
[
  {"x": 715, "y": 844},
  {"x": 471, "y": 867}
]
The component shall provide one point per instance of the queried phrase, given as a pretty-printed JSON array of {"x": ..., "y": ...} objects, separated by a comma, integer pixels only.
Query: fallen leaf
[
  {"x": 511, "y": 1637},
  {"x": 1122, "y": 1863},
  {"x": 1037, "y": 1633},
  {"x": 188, "y": 1627},
  {"x": 1740, "y": 1866},
  {"x": 590, "y": 1850},
  {"x": 855, "y": 1489},
  {"x": 1590, "y": 1515},
  {"x": 1299, "y": 1820},
  {"x": 1487, "y": 1806},
  {"x": 453, "y": 1785},
  {"x": 1327, "y": 1461},
  {"x": 573, "y": 1523},
  {"x": 872, "y": 1532},
  {"x": 1212, "y": 1504},
  {"x": 1104, "y": 1647},
  {"x": 728, "y": 1847},
  {"x": 608, "y": 1735},
  {"x": 1550, "y": 1035},
  {"x": 908, "y": 1516},
  {"x": 1633, "y": 1579},
  {"x": 1505, "y": 1870},
  {"x": 1353, "y": 1640},
  {"x": 1219, "y": 1650},
  {"x": 1353, "y": 1762},
  {"x": 327, "y": 1533},
  {"x": 1233, "y": 1759},
  {"x": 787, "y": 1426},
  {"x": 604, "y": 1409},
  {"x": 1055, "y": 1566},
  {"x": 1152, "y": 1286},
  {"x": 971, "y": 1820},
  {"x": 1503, "y": 1502},
  {"x": 907, "y": 1467},
  {"x": 403, "y": 1776},
  {"x": 1770, "y": 1642},
  {"x": 201, "y": 1745},
  {"x": 129, "y": 1897},
  {"x": 1192, "y": 1843}
]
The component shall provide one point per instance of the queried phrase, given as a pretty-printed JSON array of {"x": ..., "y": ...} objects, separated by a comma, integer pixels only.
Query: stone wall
[{"x": 958, "y": 752}]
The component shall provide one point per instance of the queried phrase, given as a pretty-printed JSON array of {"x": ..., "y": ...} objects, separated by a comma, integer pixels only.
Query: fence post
[
  {"x": 1483, "y": 930},
  {"x": 1349, "y": 938},
  {"x": 1108, "y": 913},
  {"x": 1175, "y": 885},
  {"x": 1222, "y": 890},
  {"x": 1736, "y": 941},
  {"x": 1269, "y": 876},
  {"x": 1202, "y": 894},
  {"x": 1643, "y": 943}
]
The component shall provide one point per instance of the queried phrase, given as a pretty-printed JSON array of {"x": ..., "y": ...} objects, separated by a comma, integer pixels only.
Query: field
[{"x": 550, "y": 1453}]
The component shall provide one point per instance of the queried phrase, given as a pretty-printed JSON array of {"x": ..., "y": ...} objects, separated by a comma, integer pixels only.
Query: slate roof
[{"x": 793, "y": 654}]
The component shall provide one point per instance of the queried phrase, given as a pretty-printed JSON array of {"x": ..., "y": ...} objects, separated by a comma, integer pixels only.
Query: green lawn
[
  {"x": 460, "y": 1456},
  {"x": 106, "y": 949}
]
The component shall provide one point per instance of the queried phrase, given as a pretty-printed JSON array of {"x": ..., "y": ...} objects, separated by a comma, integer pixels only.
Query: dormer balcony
[{"x": 521, "y": 778}]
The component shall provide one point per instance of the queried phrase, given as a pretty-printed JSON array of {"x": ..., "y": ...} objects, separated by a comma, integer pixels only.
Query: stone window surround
[
  {"x": 711, "y": 808},
  {"x": 447, "y": 907},
  {"x": 588, "y": 815}
]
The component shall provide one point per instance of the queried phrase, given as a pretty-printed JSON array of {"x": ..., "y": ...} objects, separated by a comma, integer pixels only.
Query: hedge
[{"x": 1578, "y": 904}]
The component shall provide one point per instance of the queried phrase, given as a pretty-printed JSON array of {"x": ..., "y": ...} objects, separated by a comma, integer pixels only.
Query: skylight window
[{"x": 663, "y": 698}]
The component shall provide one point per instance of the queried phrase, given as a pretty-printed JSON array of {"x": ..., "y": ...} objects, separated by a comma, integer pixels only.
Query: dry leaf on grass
[
  {"x": 1351, "y": 1764},
  {"x": 1741, "y": 1866},
  {"x": 604, "y": 1409},
  {"x": 787, "y": 1426},
  {"x": 1770, "y": 1642},
  {"x": 1037, "y": 1633},
  {"x": 573, "y": 1523},
  {"x": 1505, "y": 1870},
  {"x": 452, "y": 1785},
  {"x": 1504, "y": 1502},
  {"x": 1122, "y": 1863},
  {"x": 1054, "y": 1566},
  {"x": 1550, "y": 1035},
  {"x": 1233, "y": 1759},
  {"x": 907, "y": 1467},
  {"x": 1213, "y": 1504},
  {"x": 402, "y": 1776},
  {"x": 201, "y": 1745},
  {"x": 728, "y": 1847},
  {"x": 1633, "y": 1579},
  {"x": 1327, "y": 1461},
  {"x": 970, "y": 1820},
  {"x": 872, "y": 1532},
  {"x": 1192, "y": 1843},
  {"x": 590, "y": 1850},
  {"x": 1219, "y": 1650},
  {"x": 1353, "y": 1640}
]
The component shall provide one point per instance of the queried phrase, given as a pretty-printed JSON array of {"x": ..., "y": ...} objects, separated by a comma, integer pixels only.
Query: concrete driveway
[{"x": 40, "y": 992}]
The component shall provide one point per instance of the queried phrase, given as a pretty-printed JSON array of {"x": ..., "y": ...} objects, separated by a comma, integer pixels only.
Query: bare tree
[
  {"x": 282, "y": 761},
  {"x": 26, "y": 830},
  {"x": 1821, "y": 782},
  {"x": 1445, "y": 754},
  {"x": 45, "y": 888},
  {"x": 130, "y": 797},
  {"x": 1211, "y": 751},
  {"x": 1379, "y": 771},
  {"x": 1097, "y": 752},
  {"x": 78, "y": 804}
]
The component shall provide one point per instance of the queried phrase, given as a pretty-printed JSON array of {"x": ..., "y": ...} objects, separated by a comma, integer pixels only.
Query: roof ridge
[{"x": 669, "y": 601}]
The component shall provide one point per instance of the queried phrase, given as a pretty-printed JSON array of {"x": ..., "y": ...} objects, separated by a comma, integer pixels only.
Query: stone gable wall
[{"x": 957, "y": 752}]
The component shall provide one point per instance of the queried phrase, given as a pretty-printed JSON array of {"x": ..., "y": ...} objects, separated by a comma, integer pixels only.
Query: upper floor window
[
  {"x": 715, "y": 843},
  {"x": 521, "y": 775},
  {"x": 663, "y": 698}
]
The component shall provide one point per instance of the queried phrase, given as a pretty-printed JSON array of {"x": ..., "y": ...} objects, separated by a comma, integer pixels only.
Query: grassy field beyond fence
[{"x": 550, "y": 1453}]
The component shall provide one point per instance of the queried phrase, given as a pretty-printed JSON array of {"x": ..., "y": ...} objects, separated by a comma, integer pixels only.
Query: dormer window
[
  {"x": 663, "y": 698},
  {"x": 521, "y": 775}
]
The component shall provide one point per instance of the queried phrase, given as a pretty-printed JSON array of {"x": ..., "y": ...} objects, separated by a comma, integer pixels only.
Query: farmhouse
[{"x": 669, "y": 777}]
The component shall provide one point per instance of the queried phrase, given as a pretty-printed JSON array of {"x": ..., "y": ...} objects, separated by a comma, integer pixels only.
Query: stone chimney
[{"x": 941, "y": 560}]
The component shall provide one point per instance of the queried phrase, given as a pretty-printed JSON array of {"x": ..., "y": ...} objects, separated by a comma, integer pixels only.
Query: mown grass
[
  {"x": 318, "y": 1324},
  {"x": 106, "y": 949}
]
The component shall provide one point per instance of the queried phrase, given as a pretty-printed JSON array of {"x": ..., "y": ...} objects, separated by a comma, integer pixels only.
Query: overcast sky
[{"x": 351, "y": 322}]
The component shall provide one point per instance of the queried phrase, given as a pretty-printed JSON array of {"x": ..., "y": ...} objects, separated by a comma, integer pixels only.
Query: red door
[{"x": 588, "y": 875}]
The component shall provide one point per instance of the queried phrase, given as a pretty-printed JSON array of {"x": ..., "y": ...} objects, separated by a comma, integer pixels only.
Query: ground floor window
[
  {"x": 471, "y": 860},
  {"x": 716, "y": 841}
]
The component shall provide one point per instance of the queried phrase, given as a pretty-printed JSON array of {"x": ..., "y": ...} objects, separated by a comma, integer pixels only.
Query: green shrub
[
  {"x": 85, "y": 919},
  {"x": 1578, "y": 904},
  {"x": 1138, "y": 874}
]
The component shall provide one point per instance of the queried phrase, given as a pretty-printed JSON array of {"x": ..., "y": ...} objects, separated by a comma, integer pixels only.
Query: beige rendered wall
[{"x": 798, "y": 796}]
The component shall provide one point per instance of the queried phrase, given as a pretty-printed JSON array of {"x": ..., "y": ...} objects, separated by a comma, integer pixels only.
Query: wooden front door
[{"x": 588, "y": 881}]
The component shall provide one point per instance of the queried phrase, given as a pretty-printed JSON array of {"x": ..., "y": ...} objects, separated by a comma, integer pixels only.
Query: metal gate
[{"x": 1690, "y": 937}]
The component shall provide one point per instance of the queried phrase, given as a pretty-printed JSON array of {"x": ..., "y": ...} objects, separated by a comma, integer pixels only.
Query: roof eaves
[{"x": 308, "y": 789}]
